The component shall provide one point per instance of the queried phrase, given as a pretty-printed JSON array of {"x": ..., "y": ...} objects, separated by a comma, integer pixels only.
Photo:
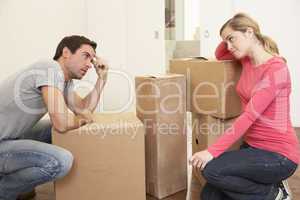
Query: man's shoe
[{"x": 27, "y": 195}]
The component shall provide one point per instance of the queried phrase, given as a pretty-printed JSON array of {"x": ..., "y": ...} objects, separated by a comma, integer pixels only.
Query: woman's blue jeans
[{"x": 245, "y": 174}]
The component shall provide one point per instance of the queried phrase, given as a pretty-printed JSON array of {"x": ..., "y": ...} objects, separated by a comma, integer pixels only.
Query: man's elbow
[
  {"x": 59, "y": 124},
  {"x": 60, "y": 129}
]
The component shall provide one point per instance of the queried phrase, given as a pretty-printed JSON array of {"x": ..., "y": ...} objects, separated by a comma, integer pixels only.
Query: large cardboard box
[
  {"x": 206, "y": 130},
  {"x": 161, "y": 105},
  {"x": 109, "y": 159},
  {"x": 210, "y": 86},
  {"x": 196, "y": 189}
]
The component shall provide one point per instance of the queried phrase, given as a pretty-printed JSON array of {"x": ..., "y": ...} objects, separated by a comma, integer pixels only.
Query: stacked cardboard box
[
  {"x": 161, "y": 105},
  {"x": 212, "y": 98},
  {"x": 207, "y": 129},
  {"x": 210, "y": 86},
  {"x": 196, "y": 189},
  {"x": 109, "y": 159}
]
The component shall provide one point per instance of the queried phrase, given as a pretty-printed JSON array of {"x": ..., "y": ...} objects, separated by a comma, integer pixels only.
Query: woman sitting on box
[{"x": 270, "y": 153}]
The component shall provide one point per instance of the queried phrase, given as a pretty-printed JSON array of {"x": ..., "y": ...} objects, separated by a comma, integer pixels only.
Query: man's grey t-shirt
[{"x": 21, "y": 101}]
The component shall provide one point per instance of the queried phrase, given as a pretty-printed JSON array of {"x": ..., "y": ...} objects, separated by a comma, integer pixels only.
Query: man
[{"x": 27, "y": 158}]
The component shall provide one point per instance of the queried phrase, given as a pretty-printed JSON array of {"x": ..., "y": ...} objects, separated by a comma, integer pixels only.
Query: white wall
[
  {"x": 129, "y": 33},
  {"x": 131, "y": 38},
  {"x": 179, "y": 19},
  {"x": 212, "y": 14},
  {"x": 279, "y": 20},
  {"x": 31, "y": 29},
  {"x": 191, "y": 18}
]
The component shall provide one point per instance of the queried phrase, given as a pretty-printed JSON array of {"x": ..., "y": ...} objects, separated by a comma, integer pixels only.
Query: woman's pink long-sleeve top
[{"x": 265, "y": 121}]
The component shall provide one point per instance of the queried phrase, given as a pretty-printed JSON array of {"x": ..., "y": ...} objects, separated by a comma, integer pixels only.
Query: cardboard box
[
  {"x": 206, "y": 130},
  {"x": 210, "y": 86},
  {"x": 161, "y": 105},
  {"x": 196, "y": 189},
  {"x": 109, "y": 159}
]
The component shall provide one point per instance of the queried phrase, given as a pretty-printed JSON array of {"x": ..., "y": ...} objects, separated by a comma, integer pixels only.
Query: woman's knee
[{"x": 211, "y": 172}]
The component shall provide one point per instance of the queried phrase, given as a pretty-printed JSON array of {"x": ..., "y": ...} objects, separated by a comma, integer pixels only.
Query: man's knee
[
  {"x": 66, "y": 162},
  {"x": 57, "y": 165}
]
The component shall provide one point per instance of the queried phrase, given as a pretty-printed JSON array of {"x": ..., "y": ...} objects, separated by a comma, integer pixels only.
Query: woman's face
[{"x": 238, "y": 43}]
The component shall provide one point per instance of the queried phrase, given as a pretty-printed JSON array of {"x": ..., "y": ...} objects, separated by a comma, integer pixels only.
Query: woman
[{"x": 270, "y": 153}]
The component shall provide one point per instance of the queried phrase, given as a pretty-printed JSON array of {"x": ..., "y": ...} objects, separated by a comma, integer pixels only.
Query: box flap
[{"x": 160, "y": 76}]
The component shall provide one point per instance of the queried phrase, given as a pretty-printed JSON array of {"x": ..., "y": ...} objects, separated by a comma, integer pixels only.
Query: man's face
[{"x": 79, "y": 63}]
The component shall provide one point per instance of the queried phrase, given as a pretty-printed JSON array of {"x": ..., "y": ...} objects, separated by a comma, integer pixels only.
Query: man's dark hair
[{"x": 73, "y": 43}]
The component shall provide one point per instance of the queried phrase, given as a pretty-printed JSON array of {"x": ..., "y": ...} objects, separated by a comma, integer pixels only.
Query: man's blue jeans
[
  {"x": 245, "y": 174},
  {"x": 31, "y": 161}
]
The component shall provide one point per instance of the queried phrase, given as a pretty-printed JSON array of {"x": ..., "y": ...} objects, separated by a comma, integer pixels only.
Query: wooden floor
[{"x": 46, "y": 192}]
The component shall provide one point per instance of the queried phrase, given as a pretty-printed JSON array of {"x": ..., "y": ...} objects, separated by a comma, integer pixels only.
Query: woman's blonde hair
[{"x": 241, "y": 21}]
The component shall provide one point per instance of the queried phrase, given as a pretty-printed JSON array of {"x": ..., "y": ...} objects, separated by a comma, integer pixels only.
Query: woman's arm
[
  {"x": 276, "y": 79},
  {"x": 222, "y": 52}
]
